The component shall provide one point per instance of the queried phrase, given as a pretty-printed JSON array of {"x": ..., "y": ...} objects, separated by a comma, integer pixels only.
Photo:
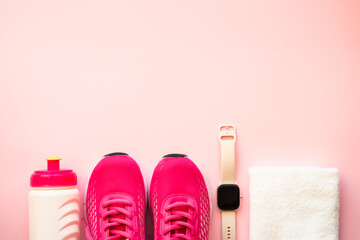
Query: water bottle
[{"x": 54, "y": 204}]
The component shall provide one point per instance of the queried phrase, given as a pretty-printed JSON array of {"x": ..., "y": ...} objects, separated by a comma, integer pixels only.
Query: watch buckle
[{"x": 227, "y": 132}]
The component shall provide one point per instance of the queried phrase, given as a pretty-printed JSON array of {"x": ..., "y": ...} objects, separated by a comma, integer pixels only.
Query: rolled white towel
[{"x": 294, "y": 203}]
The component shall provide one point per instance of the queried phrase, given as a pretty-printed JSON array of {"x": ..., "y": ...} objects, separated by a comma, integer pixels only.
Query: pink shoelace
[
  {"x": 116, "y": 208},
  {"x": 181, "y": 221},
  {"x": 116, "y": 224}
]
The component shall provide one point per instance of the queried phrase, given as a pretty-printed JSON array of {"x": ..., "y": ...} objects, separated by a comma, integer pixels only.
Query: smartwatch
[{"x": 228, "y": 192}]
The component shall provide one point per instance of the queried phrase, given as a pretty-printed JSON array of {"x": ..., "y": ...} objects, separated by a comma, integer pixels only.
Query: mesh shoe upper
[
  {"x": 116, "y": 200},
  {"x": 179, "y": 200}
]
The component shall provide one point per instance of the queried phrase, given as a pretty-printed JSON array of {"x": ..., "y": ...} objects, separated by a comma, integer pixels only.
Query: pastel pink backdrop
[{"x": 80, "y": 79}]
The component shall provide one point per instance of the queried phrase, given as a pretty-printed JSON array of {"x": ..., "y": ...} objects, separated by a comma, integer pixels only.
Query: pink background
[{"x": 80, "y": 79}]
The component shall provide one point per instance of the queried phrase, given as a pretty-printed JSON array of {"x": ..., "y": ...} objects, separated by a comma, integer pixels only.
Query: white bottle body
[{"x": 54, "y": 213}]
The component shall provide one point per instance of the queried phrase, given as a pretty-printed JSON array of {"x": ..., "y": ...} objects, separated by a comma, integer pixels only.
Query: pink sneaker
[
  {"x": 115, "y": 200},
  {"x": 179, "y": 200}
]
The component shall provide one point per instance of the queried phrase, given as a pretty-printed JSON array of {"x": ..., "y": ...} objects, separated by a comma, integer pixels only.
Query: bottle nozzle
[{"x": 53, "y": 163}]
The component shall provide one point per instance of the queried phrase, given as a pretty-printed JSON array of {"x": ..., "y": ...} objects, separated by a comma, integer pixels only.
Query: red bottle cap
[{"x": 53, "y": 176}]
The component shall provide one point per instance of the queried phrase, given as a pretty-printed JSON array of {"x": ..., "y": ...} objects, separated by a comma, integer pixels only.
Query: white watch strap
[
  {"x": 228, "y": 225},
  {"x": 227, "y": 138}
]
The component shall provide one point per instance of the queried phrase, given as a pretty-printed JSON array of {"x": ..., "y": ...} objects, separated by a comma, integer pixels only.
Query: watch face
[{"x": 228, "y": 196}]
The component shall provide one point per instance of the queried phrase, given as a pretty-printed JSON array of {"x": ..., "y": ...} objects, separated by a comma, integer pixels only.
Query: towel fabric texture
[{"x": 294, "y": 203}]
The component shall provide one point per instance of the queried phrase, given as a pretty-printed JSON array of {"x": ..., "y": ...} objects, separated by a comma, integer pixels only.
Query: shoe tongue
[{"x": 121, "y": 227}]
